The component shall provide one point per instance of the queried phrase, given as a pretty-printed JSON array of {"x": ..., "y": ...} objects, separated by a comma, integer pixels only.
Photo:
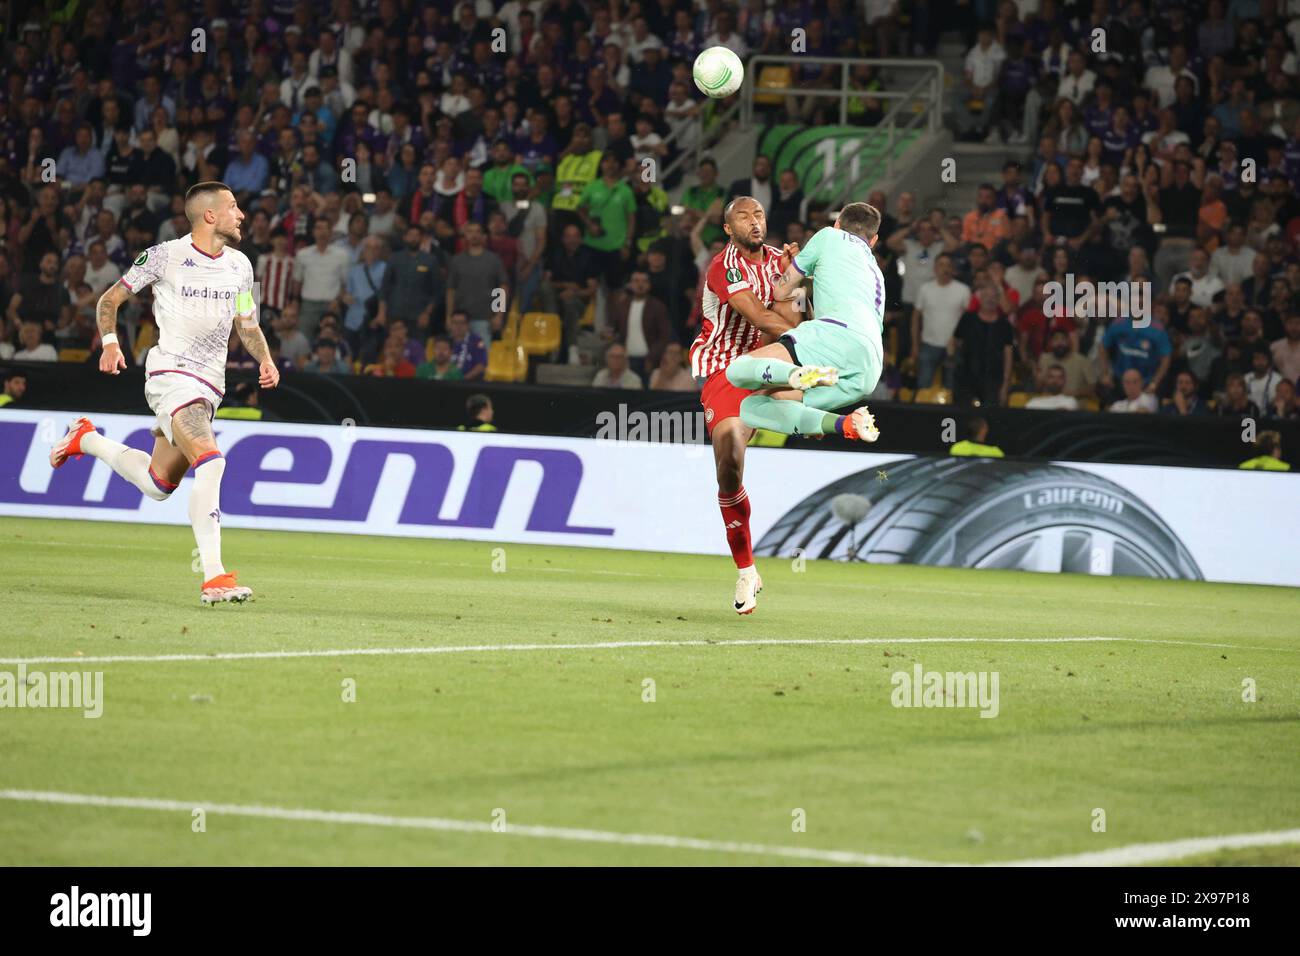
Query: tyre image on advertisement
[{"x": 983, "y": 513}]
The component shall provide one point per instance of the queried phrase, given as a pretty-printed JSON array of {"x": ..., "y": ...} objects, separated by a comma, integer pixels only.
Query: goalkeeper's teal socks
[
  {"x": 750, "y": 372},
  {"x": 785, "y": 416}
]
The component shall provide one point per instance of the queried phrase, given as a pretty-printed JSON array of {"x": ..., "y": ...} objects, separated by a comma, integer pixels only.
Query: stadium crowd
[
  {"x": 1166, "y": 161},
  {"x": 415, "y": 173}
]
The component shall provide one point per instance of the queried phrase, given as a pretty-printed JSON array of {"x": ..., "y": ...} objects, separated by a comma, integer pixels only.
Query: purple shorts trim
[{"x": 176, "y": 371}]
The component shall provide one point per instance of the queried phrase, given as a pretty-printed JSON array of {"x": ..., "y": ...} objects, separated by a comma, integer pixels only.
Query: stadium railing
[
  {"x": 710, "y": 132},
  {"x": 920, "y": 102},
  {"x": 932, "y": 79}
]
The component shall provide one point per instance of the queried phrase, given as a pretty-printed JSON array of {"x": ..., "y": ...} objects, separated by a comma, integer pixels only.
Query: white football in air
[{"x": 718, "y": 72}]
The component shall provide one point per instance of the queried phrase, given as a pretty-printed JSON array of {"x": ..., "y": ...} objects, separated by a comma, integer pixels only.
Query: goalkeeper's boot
[
  {"x": 812, "y": 376},
  {"x": 860, "y": 425}
]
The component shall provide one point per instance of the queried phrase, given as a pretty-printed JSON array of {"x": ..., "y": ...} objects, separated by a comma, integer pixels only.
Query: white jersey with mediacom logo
[{"x": 194, "y": 306}]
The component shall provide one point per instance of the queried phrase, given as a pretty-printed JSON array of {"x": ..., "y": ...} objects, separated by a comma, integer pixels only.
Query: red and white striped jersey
[
  {"x": 724, "y": 332},
  {"x": 275, "y": 273}
]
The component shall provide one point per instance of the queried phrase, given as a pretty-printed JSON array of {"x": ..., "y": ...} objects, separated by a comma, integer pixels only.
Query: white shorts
[{"x": 171, "y": 383}]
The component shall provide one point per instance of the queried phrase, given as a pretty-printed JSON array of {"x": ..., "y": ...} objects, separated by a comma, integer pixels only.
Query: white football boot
[{"x": 747, "y": 588}]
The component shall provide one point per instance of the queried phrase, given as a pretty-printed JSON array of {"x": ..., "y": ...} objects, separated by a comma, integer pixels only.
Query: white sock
[
  {"x": 205, "y": 514},
  {"x": 746, "y": 572},
  {"x": 131, "y": 463}
]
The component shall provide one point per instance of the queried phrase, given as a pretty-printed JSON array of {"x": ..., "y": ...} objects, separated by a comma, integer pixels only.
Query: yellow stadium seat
[
  {"x": 934, "y": 396},
  {"x": 1017, "y": 399},
  {"x": 1090, "y": 404},
  {"x": 773, "y": 78},
  {"x": 540, "y": 332},
  {"x": 510, "y": 331},
  {"x": 145, "y": 339},
  {"x": 905, "y": 394},
  {"x": 73, "y": 355},
  {"x": 588, "y": 320},
  {"x": 506, "y": 363}
]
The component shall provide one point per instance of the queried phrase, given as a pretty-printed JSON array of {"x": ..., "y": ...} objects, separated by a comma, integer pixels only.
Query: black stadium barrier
[{"x": 1206, "y": 441}]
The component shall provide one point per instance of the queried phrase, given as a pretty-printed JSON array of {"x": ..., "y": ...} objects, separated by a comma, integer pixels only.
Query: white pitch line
[
  {"x": 603, "y": 646},
  {"x": 1118, "y": 856},
  {"x": 1138, "y": 853},
  {"x": 465, "y": 826}
]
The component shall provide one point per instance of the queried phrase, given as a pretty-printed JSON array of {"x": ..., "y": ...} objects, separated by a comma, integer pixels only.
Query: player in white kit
[{"x": 201, "y": 285}]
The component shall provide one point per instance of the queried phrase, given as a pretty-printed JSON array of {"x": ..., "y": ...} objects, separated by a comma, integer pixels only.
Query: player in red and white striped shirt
[
  {"x": 738, "y": 316},
  {"x": 275, "y": 272}
]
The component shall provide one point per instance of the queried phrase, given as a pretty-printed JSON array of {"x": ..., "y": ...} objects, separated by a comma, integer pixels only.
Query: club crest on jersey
[{"x": 142, "y": 258}]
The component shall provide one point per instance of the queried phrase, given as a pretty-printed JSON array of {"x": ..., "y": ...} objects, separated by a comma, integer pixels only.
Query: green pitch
[{"x": 737, "y": 739}]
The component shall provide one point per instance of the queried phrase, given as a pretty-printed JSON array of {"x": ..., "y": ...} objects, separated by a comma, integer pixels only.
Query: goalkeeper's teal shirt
[{"x": 848, "y": 286}]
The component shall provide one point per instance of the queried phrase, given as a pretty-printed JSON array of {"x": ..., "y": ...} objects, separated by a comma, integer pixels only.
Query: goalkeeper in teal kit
[{"x": 834, "y": 359}]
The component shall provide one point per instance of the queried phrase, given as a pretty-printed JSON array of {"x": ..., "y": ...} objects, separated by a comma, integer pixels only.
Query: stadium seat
[
  {"x": 145, "y": 339},
  {"x": 934, "y": 396},
  {"x": 772, "y": 78},
  {"x": 540, "y": 332},
  {"x": 568, "y": 376},
  {"x": 506, "y": 363},
  {"x": 1090, "y": 404},
  {"x": 510, "y": 330},
  {"x": 906, "y": 394},
  {"x": 1017, "y": 399},
  {"x": 588, "y": 320},
  {"x": 73, "y": 355}
]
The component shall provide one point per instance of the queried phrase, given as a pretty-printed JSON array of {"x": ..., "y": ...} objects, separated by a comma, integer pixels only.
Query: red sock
[{"x": 735, "y": 515}]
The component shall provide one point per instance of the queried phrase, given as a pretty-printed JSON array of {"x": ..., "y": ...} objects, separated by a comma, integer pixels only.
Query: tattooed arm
[
  {"x": 250, "y": 333},
  {"x": 111, "y": 360}
]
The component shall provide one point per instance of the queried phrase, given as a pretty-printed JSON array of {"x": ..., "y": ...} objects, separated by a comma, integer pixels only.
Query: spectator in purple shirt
[
  {"x": 1097, "y": 118},
  {"x": 684, "y": 43},
  {"x": 1119, "y": 139},
  {"x": 537, "y": 147},
  {"x": 354, "y": 129},
  {"x": 1015, "y": 107},
  {"x": 467, "y": 350}
]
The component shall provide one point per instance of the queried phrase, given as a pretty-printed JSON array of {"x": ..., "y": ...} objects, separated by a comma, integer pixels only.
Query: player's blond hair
[{"x": 200, "y": 196}]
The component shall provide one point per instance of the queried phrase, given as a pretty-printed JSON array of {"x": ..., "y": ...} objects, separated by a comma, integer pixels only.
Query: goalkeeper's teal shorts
[{"x": 830, "y": 342}]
